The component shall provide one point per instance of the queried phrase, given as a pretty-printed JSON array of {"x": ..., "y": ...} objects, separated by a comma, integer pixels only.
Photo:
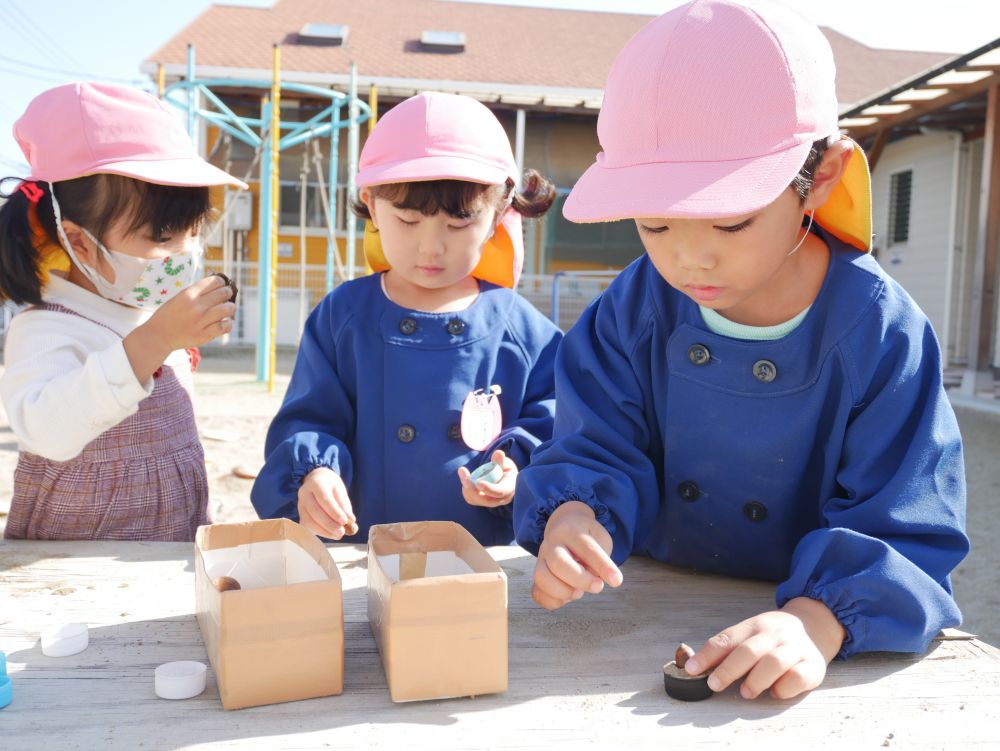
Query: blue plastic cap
[{"x": 6, "y": 689}]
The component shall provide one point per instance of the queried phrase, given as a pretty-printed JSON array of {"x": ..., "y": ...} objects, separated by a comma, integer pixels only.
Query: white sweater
[{"x": 68, "y": 380}]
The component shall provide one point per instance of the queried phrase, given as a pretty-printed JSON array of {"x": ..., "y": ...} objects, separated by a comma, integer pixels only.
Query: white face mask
[{"x": 143, "y": 283}]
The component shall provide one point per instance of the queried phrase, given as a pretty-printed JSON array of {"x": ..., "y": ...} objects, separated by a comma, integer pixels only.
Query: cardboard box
[
  {"x": 280, "y": 637},
  {"x": 437, "y": 605}
]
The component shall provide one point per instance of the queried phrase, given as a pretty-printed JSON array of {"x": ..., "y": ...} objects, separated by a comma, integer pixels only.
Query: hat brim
[
  {"x": 696, "y": 190},
  {"x": 433, "y": 168},
  {"x": 187, "y": 172}
]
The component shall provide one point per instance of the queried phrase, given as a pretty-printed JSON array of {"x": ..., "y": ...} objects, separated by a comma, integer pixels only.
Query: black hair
[
  {"x": 459, "y": 198},
  {"x": 803, "y": 181},
  {"x": 96, "y": 202}
]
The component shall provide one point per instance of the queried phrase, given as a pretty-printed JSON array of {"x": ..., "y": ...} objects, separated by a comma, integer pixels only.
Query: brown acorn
[
  {"x": 225, "y": 583},
  {"x": 231, "y": 284},
  {"x": 678, "y": 684}
]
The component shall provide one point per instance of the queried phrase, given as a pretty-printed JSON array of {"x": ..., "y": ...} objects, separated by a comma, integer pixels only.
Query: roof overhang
[{"x": 514, "y": 96}]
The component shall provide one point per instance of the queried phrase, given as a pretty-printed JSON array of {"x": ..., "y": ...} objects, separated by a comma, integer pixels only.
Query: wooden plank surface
[{"x": 587, "y": 674}]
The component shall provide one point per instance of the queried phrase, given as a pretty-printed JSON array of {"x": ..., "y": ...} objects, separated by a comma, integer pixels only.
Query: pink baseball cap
[
  {"x": 710, "y": 110},
  {"x": 81, "y": 129},
  {"x": 434, "y": 136}
]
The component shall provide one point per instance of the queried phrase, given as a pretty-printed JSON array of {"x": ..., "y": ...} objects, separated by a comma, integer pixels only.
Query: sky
[{"x": 47, "y": 42}]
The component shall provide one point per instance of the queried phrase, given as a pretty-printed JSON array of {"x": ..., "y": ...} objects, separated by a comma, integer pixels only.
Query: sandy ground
[{"x": 234, "y": 411}]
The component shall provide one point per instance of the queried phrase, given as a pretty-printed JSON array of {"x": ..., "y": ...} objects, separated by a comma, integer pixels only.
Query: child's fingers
[
  {"x": 744, "y": 651},
  {"x": 594, "y": 558},
  {"x": 768, "y": 669},
  {"x": 565, "y": 567},
  {"x": 505, "y": 462},
  {"x": 338, "y": 491},
  {"x": 548, "y": 591},
  {"x": 803, "y": 676},
  {"x": 317, "y": 522},
  {"x": 552, "y": 585}
]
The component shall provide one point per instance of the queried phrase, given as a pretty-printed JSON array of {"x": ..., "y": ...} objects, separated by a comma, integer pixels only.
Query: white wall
[
  {"x": 965, "y": 251},
  {"x": 923, "y": 263}
]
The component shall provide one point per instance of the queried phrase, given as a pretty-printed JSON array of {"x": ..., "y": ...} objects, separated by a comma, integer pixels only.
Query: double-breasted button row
[
  {"x": 408, "y": 326},
  {"x": 764, "y": 371},
  {"x": 406, "y": 433},
  {"x": 755, "y": 511}
]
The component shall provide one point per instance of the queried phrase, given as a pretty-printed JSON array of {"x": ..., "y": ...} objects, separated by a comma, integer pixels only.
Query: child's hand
[
  {"x": 785, "y": 650},
  {"x": 574, "y": 557},
  {"x": 194, "y": 316},
  {"x": 324, "y": 508},
  {"x": 491, "y": 494}
]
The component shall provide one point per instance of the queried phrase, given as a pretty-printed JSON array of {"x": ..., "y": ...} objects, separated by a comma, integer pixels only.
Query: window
[
  {"x": 289, "y": 203},
  {"x": 900, "y": 189},
  {"x": 598, "y": 245}
]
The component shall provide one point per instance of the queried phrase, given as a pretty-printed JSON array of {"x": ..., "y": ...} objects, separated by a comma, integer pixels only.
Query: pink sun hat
[
  {"x": 81, "y": 129},
  {"x": 434, "y": 136},
  {"x": 710, "y": 110}
]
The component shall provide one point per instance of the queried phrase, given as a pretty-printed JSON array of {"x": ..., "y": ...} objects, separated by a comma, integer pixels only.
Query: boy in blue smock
[
  {"x": 409, "y": 378},
  {"x": 754, "y": 396}
]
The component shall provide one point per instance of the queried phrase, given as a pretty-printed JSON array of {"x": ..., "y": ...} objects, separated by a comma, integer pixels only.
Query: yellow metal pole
[
  {"x": 161, "y": 80},
  {"x": 372, "y": 119},
  {"x": 373, "y": 106},
  {"x": 275, "y": 187}
]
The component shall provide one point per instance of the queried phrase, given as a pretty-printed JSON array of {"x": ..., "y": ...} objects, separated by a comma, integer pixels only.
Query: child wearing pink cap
[
  {"x": 408, "y": 379},
  {"x": 754, "y": 396},
  {"x": 102, "y": 245}
]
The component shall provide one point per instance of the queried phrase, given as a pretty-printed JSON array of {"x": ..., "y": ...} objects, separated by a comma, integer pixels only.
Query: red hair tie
[{"x": 32, "y": 191}]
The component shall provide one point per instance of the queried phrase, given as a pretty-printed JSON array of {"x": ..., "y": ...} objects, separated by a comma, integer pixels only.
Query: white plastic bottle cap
[
  {"x": 65, "y": 640},
  {"x": 180, "y": 680}
]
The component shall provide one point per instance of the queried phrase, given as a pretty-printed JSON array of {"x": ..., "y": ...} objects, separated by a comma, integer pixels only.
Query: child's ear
[
  {"x": 368, "y": 199},
  {"x": 83, "y": 246},
  {"x": 828, "y": 173}
]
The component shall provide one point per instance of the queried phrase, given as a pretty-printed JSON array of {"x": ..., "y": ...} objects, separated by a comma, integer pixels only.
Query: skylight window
[
  {"x": 452, "y": 41},
  {"x": 330, "y": 34}
]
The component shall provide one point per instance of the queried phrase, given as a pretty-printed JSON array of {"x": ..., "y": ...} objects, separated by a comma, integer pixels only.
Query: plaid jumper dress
[{"x": 143, "y": 479}]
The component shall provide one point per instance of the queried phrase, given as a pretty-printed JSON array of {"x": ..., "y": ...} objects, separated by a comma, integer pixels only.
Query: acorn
[
  {"x": 225, "y": 583},
  {"x": 351, "y": 528},
  {"x": 678, "y": 684},
  {"x": 231, "y": 284}
]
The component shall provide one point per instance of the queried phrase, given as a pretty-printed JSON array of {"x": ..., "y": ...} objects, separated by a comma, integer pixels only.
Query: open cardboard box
[
  {"x": 281, "y": 636},
  {"x": 437, "y": 604}
]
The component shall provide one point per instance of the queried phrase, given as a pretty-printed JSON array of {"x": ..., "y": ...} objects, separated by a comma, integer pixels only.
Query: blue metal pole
[
  {"x": 555, "y": 296},
  {"x": 352, "y": 168},
  {"x": 331, "y": 242},
  {"x": 264, "y": 256},
  {"x": 192, "y": 95}
]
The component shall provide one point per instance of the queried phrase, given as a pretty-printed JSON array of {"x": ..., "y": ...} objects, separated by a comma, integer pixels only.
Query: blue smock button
[
  {"x": 406, "y": 433},
  {"x": 408, "y": 326},
  {"x": 456, "y": 326},
  {"x": 699, "y": 354},
  {"x": 765, "y": 371},
  {"x": 755, "y": 511},
  {"x": 688, "y": 491}
]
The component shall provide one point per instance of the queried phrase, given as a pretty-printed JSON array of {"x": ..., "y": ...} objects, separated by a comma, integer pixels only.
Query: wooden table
[{"x": 589, "y": 674}]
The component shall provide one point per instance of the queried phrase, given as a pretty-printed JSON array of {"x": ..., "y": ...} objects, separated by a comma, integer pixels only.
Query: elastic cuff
[
  {"x": 845, "y": 612},
  {"x": 575, "y": 493},
  {"x": 299, "y": 473}
]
